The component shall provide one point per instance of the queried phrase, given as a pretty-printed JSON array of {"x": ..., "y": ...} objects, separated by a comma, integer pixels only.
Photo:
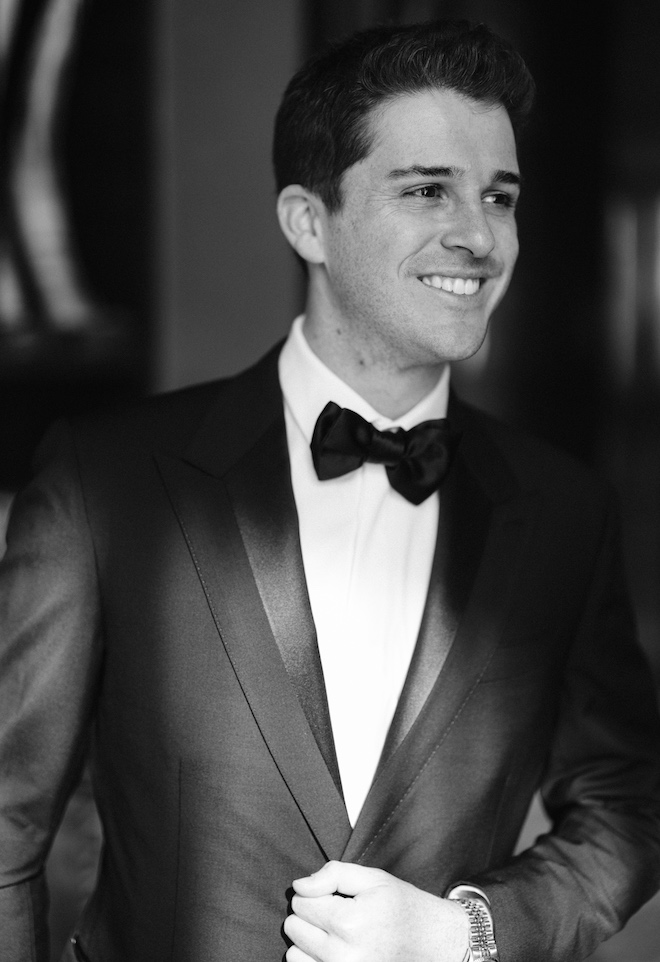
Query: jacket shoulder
[
  {"x": 534, "y": 463},
  {"x": 170, "y": 419}
]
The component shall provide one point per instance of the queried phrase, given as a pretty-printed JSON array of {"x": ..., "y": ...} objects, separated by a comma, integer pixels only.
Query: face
[{"x": 424, "y": 245}]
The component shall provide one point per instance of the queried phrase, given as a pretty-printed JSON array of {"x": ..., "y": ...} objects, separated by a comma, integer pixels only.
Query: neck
[{"x": 389, "y": 387}]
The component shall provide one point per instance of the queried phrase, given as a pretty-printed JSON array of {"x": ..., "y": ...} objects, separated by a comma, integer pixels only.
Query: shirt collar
[{"x": 308, "y": 384}]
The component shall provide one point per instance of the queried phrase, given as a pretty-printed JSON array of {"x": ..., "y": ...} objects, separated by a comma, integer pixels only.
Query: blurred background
[{"x": 139, "y": 249}]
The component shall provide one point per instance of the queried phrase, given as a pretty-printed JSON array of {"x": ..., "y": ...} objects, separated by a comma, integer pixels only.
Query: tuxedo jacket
[{"x": 154, "y": 618}]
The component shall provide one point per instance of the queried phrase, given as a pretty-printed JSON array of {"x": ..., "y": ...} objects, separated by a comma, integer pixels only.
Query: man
[{"x": 319, "y": 690}]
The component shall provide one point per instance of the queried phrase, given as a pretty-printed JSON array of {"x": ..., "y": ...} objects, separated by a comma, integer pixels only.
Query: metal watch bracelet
[
  {"x": 482, "y": 933},
  {"x": 482, "y": 945}
]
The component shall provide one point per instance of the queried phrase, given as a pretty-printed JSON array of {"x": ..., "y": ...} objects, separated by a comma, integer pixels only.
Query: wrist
[{"x": 476, "y": 904}]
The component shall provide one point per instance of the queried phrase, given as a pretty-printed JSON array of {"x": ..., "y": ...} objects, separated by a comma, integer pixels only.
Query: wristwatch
[{"x": 482, "y": 930}]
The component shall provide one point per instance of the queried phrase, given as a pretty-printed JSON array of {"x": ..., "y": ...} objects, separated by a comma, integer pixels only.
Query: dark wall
[
  {"x": 228, "y": 283},
  {"x": 55, "y": 357}
]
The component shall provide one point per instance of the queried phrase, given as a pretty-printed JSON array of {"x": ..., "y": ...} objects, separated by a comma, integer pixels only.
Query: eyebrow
[{"x": 416, "y": 170}]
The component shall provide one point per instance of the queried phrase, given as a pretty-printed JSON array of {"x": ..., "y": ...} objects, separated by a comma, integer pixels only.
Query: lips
[{"x": 453, "y": 285}]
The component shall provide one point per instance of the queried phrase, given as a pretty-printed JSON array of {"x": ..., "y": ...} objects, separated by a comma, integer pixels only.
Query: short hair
[{"x": 322, "y": 126}]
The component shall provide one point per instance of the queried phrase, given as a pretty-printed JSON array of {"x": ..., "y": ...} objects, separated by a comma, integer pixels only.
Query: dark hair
[{"x": 322, "y": 125}]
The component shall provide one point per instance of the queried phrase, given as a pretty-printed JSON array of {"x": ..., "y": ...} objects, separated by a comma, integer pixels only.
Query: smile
[{"x": 453, "y": 285}]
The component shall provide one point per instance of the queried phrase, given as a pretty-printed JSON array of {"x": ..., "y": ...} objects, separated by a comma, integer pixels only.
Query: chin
[{"x": 460, "y": 348}]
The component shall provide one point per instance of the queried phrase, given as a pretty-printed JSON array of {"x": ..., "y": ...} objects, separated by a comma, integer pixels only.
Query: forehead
[{"x": 440, "y": 127}]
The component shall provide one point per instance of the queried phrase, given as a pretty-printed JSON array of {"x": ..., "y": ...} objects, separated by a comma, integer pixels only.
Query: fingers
[
  {"x": 317, "y": 911},
  {"x": 343, "y": 877},
  {"x": 294, "y": 954},
  {"x": 318, "y": 925},
  {"x": 309, "y": 940},
  {"x": 385, "y": 918}
]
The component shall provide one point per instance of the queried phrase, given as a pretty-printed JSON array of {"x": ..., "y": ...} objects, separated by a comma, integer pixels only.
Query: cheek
[
  {"x": 360, "y": 261},
  {"x": 509, "y": 246},
  {"x": 367, "y": 261}
]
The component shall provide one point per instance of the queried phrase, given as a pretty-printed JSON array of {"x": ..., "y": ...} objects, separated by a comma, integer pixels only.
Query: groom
[{"x": 323, "y": 629}]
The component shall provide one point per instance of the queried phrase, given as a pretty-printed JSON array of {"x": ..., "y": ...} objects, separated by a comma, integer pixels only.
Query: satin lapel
[
  {"x": 452, "y": 575},
  {"x": 483, "y": 532},
  {"x": 261, "y": 494},
  {"x": 233, "y": 498}
]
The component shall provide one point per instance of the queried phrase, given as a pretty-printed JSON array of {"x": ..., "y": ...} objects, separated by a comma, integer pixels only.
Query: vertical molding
[
  {"x": 226, "y": 281},
  {"x": 164, "y": 213}
]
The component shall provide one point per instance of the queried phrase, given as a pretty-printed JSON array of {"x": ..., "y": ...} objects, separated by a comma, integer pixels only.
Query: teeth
[{"x": 453, "y": 285}]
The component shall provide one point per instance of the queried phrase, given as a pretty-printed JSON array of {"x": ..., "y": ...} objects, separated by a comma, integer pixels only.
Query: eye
[
  {"x": 431, "y": 191},
  {"x": 501, "y": 199}
]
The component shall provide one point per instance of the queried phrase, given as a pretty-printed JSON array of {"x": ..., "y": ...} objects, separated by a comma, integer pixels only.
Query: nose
[{"x": 470, "y": 230}]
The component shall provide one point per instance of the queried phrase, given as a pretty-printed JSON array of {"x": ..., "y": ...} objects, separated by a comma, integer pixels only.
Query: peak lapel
[
  {"x": 233, "y": 497},
  {"x": 482, "y": 535}
]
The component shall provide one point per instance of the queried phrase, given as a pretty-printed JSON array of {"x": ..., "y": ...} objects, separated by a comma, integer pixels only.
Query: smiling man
[
  {"x": 325, "y": 628},
  {"x": 404, "y": 276}
]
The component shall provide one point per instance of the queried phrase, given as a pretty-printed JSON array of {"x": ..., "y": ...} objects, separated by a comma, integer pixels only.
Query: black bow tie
[{"x": 416, "y": 461}]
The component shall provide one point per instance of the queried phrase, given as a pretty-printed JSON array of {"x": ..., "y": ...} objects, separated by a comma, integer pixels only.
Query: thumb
[{"x": 345, "y": 878}]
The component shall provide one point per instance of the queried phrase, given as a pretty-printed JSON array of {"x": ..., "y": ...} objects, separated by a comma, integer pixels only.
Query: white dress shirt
[{"x": 367, "y": 554}]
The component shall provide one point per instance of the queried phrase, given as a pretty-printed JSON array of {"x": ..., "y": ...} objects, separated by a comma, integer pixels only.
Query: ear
[{"x": 301, "y": 214}]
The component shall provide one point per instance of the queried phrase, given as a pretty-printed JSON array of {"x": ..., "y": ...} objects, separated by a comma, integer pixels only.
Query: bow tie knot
[{"x": 416, "y": 461}]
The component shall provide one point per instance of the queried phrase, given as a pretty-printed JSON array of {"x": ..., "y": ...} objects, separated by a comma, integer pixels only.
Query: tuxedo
[{"x": 155, "y": 619}]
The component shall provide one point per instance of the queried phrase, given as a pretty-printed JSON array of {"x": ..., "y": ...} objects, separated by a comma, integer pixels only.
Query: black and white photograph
[{"x": 329, "y": 481}]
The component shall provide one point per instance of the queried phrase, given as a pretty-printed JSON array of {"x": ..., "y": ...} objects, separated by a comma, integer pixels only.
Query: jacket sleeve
[
  {"x": 50, "y": 653},
  {"x": 579, "y": 883}
]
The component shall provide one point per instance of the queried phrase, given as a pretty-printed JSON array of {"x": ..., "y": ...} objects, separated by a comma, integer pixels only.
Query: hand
[{"x": 385, "y": 920}]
